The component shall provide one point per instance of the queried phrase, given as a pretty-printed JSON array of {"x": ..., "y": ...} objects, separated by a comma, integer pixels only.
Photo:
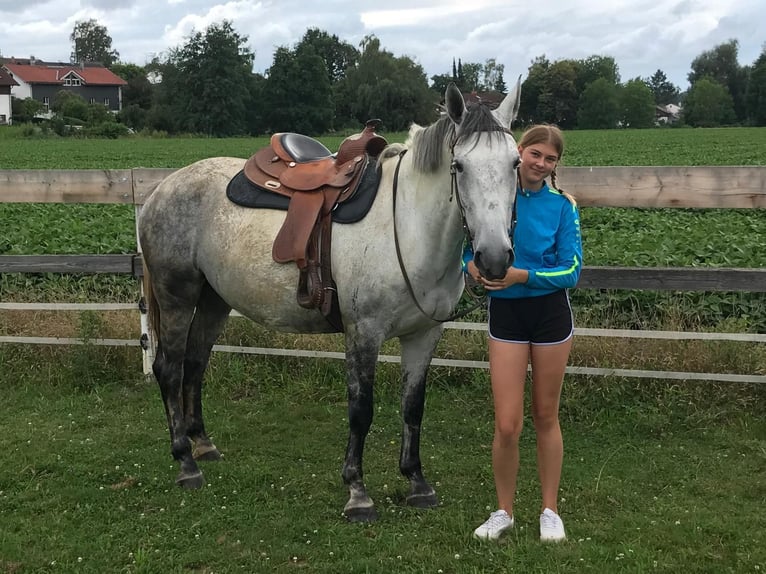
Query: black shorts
[{"x": 544, "y": 320}]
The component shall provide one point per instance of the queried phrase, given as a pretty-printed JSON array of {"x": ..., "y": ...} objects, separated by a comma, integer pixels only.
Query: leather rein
[{"x": 479, "y": 298}]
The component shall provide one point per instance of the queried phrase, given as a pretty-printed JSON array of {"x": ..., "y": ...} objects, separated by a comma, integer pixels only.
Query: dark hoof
[
  {"x": 423, "y": 500},
  {"x": 207, "y": 453},
  {"x": 368, "y": 514},
  {"x": 191, "y": 481}
]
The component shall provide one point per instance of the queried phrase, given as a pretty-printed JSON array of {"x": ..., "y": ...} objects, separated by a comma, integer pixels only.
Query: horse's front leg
[
  {"x": 417, "y": 350},
  {"x": 361, "y": 360}
]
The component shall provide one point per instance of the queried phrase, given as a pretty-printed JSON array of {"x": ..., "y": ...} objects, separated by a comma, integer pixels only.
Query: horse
[{"x": 398, "y": 274}]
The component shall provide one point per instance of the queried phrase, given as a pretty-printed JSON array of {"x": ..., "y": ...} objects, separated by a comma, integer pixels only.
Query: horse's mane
[{"x": 427, "y": 143}]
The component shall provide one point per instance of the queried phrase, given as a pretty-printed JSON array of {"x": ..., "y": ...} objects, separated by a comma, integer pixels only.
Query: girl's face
[{"x": 537, "y": 162}]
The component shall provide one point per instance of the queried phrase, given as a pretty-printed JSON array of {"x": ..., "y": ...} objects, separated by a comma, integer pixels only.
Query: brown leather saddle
[{"x": 315, "y": 180}]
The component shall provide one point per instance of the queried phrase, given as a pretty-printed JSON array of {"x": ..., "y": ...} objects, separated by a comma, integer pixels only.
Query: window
[
  {"x": 92, "y": 101},
  {"x": 106, "y": 102},
  {"x": 2, "y": 119},
  {"x": 46, "y": 103},
  {"x": 72, "y": 82}
]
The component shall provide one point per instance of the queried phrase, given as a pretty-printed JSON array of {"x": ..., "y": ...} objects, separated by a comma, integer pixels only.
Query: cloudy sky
[{"x": 641, "y": 35}]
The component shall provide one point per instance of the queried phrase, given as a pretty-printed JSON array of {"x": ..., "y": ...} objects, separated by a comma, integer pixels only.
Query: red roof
[
  {"x": 90, "y": 75},
  {"x": 6, "y": 79}
]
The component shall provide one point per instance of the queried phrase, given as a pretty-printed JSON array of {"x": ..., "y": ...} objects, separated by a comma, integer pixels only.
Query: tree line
[{"x": 323, "y": 84}]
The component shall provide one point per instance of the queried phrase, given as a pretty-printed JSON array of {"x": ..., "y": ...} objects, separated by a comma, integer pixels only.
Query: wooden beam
[
  {"x": 649, "y": 278},
  {"x": 663, "y": 186},
  {"x": 673, "y": 279},
  {"x": 66, "y": 186},
  {"x": 146, "y": 180},
  {"x": 739, "y": 187},
  {"x": 67, "y": 264}
]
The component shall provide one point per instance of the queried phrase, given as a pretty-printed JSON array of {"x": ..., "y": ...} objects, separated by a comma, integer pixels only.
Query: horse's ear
[
  {"x": 508, "y": 109},
  {"x": 454, "y": 102}
]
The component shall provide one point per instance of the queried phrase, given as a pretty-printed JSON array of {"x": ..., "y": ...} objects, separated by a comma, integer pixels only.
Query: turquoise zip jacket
[{"x": 547, "y": 244}]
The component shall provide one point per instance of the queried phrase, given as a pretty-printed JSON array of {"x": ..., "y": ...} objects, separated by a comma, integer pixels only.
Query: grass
[{"x": 657, "y": 478}]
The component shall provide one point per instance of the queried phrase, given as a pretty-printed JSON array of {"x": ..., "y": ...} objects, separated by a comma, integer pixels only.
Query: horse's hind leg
[
  {"x": 176, "y": 301},
  {"x": 361, "y": 359},
  {"x": 417, "y": 351},
  {"x": 209, "y": 320}
]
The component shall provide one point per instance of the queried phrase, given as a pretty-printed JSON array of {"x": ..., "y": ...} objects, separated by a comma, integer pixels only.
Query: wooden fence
[{"x": 645, "y": 187}]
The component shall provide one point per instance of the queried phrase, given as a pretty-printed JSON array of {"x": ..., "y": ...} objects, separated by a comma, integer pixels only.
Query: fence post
[{"x": 148, "y": 346}]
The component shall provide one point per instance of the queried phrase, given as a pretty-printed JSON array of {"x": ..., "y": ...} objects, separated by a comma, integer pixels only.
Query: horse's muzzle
[{"x": 493, "y": 267}]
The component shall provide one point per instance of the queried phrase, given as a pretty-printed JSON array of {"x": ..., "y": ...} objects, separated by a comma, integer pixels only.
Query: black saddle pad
[{"x": 245, "y": 193}]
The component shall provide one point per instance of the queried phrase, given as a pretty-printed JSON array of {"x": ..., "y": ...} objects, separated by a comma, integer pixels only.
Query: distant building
[
  {"x": 43, "y": 80},
  {"x": 6, "y": 83},
  {"x": 668, "y": 114}
]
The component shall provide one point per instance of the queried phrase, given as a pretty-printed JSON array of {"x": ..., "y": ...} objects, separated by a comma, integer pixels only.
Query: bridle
[{"x": 478, "y": 295}]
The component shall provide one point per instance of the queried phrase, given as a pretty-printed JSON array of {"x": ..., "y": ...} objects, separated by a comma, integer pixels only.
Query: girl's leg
[
  {"x": 548, "y": 365},
  {"x": 508, "y": 370}
]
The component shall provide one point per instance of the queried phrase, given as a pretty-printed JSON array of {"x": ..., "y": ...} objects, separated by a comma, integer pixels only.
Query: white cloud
[{"x": 641, "y": 35}]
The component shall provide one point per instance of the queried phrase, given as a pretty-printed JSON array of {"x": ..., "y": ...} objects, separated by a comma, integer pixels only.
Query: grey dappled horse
[{"x": 204, "y": 255}]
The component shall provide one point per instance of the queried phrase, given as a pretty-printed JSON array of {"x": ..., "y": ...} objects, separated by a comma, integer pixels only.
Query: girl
[{"x": 530, "y": 320}]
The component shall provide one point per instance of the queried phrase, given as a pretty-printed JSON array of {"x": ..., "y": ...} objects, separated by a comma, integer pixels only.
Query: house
[
  {"x": 6, "y": 83},
  {"x": 43, "y": 80},
  {"x": 668, "y": 114}
]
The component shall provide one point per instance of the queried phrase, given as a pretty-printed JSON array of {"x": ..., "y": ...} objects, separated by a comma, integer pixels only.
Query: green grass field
[{"x": 659, "y": 476}]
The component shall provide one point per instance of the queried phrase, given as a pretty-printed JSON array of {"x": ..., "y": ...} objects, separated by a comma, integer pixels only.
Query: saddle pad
[{"x": 242, "y": 192}]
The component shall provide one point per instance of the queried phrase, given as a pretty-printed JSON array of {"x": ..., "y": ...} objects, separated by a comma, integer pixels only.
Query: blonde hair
[{"x": 547, "y": 134}]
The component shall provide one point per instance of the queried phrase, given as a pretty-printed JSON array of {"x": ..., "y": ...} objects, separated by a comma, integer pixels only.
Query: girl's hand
[{"x": 512, "y": 276}]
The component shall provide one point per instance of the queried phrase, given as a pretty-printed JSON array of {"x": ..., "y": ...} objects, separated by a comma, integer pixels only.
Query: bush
[{"x": 109, "y": 129}]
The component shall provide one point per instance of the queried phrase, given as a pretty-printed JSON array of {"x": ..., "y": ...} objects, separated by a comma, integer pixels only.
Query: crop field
[{"x": 659, "y": 476}]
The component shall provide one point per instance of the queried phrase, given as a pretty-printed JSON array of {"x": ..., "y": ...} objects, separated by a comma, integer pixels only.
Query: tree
[
  {"x": 205, "y": 83},
  {"x": 471, "y": 74},
  {"x": 636, "y": 105},
  {"x": 337, "y": 55},
  {"x": 594, "y": 67},
  {"x": 26, "y": 109},
  {"x": 383, "y": 86},
  {"x": 755, "y": 97},
  {"x": 708, "y": 104},
  {"x": 298, "y": 92},
  {"x": 492, "y": 72},
  {"x": 139, "y": 90},
  {"x": 664, "y": 92},
  {"x": 92, "y": 43},
  {"x": 440, "y": 82},
  {"x": 720, "y": 64},
  {"x": 70, "y": 106},
  {"x": 599, "y": 106},
  {"x": 557, "y": 103},
  {"x": 531, "y": 89}
]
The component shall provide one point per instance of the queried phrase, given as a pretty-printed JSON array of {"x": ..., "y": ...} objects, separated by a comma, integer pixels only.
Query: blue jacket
[{"x": 547, "y": 243}]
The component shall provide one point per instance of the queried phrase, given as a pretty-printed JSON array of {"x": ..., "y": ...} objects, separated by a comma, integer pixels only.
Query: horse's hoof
[
  {"x": 206, "y": 453},
  {"x": 191, "y": 481},
  {"x": 362, "y": 514},
  {"x": 423, "y": 500}
]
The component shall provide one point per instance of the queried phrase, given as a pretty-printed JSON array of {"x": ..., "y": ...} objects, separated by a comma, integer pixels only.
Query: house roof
[
  {"x": 91, "y": 75},
  {"x": 6, "y": 79}
]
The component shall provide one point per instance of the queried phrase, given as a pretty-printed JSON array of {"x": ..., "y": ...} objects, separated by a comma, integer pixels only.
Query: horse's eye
[
  {"x": 517, "y": 163},
  {"x": 457, "y": 166}
]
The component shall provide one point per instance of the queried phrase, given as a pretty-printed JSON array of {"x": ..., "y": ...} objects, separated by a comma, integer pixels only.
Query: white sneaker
[
  {"x": 497, "y": 523},
  {"x": 551, "y": 527}
]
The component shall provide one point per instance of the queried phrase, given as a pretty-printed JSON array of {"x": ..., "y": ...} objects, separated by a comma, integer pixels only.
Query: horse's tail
[{"x": 152, "y": 307}]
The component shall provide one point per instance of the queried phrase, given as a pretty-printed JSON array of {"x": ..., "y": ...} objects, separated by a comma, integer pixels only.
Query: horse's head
[{"x": 484, "y": 162}]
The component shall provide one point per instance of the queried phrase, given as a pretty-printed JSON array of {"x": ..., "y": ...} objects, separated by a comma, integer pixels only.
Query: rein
[{"x": 480, "y": 299}]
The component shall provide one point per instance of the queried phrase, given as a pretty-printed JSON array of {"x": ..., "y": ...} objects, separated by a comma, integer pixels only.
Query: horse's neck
[{"x": 429, "y": 214}]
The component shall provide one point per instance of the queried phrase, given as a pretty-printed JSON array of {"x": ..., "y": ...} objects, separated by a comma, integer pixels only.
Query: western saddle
[{"x": 315, "y": 180}]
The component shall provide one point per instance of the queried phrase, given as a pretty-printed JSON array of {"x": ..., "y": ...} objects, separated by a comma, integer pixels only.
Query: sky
[{"x": 641, "y": 35}]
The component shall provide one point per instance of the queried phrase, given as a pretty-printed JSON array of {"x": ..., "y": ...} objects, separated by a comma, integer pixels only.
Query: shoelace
[
  {"x": 550, "y": 521},
  {"x": 496, "y": 519}
]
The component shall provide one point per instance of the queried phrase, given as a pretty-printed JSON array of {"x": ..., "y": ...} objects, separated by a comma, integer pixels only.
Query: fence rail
[{"x": 639, "y": 187}]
